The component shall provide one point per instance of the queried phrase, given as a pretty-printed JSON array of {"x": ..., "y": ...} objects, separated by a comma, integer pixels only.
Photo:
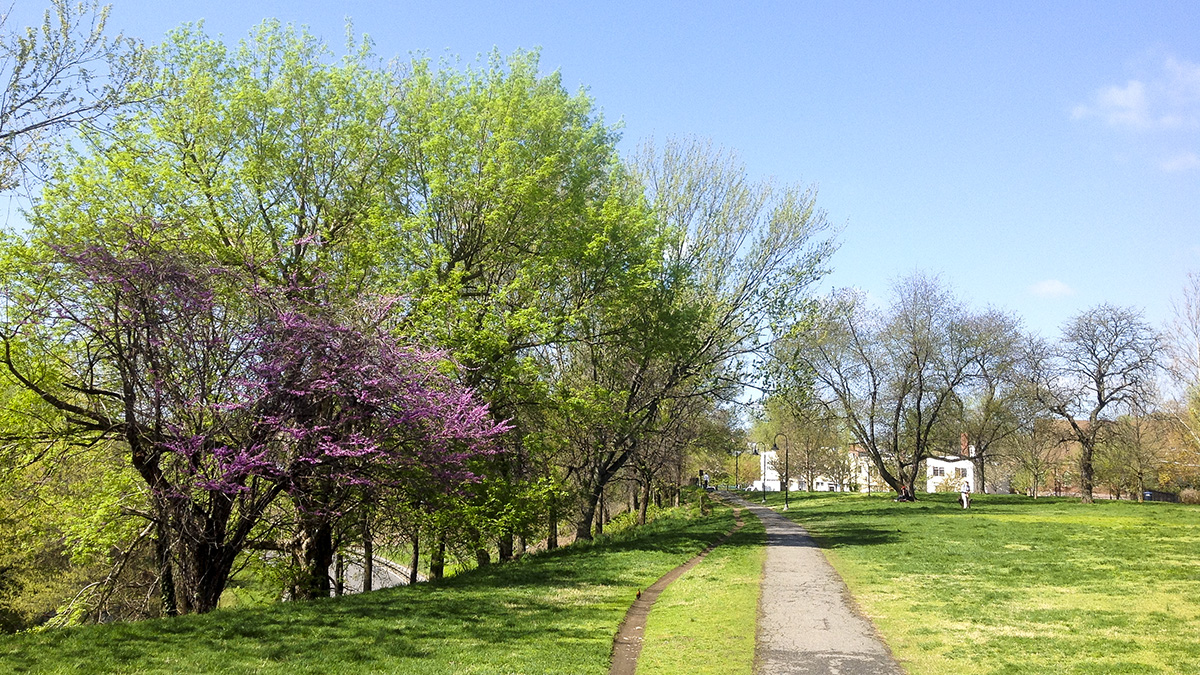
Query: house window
[
  {"x": 939, "y": 471},
  {"x": 832, "y": 487},
  {"x": 960, "y": 473}
]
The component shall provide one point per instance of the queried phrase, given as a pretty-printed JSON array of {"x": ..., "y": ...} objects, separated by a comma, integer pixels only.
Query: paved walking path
[{"x": 807, "y": 623}]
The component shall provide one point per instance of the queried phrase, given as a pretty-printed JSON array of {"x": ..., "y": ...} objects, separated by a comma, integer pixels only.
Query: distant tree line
[{"x": 927, "y": 376}]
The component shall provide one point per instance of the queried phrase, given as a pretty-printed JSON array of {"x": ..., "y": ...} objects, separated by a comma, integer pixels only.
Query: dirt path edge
[{"x": 627, "y": 645}]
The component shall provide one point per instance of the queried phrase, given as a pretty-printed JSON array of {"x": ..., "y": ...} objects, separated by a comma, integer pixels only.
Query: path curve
[
  {"x": 807, "y": 622},
  {"x": 627, "y": 645}
]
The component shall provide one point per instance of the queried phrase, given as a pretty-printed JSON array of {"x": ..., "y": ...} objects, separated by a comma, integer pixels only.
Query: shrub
[{"x": 1189, "y": 496}]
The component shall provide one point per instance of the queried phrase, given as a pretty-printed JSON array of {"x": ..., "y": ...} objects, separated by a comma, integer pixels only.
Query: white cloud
[
  {"x": 1051, "y": 288},
  {"x": 1168, "y": 99},
  {"x": 1119, "y": 106},
  {"x": 1185, "y": 161}
]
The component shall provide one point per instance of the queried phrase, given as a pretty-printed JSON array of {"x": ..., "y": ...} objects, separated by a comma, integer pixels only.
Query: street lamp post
[
  {"x": 737, "y": 455},
  {"x": 786, "y": 477},
  {"x": 762, "y": 471}
]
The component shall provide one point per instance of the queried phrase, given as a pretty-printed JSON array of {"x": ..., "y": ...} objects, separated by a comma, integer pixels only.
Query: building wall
[{"x": 949, "y": 469}]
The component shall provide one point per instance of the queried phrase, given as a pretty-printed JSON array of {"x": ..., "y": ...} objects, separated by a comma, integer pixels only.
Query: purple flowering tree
[
  {"x": 229, "y": 395},
  {"x": 357, "y": 413}
]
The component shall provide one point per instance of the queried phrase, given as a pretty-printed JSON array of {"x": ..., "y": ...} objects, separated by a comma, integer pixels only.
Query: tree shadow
[{"x": 571, "y": 596}]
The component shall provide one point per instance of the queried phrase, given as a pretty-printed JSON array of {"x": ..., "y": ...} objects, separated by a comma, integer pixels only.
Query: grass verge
[
  {"x": 555, "y": 612},
  {"x": 705, "y": 621},
  {"x": 1016, "y": 585}
]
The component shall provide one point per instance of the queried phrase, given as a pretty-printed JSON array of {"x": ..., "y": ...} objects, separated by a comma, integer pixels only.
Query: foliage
[
  {"x": 226, "y": 401},
  {"x": 814, "y": 440},
  {"x": 63, "y": 74},
  {"x": 1038, "y": 452},
  {"x": 281, "y": 195},
  {"x": 893, "y": 377},
  {"x": 735, "y": 262}
]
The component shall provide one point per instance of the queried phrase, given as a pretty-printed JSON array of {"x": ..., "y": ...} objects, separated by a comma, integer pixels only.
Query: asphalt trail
[{"x": 807, "y": 622}]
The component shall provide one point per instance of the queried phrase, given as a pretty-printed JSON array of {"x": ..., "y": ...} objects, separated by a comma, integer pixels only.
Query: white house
[
  {"x": 951, "y": 471},
  {"x": 770, "y": 479},
  {"x": 860, "y": 465}
]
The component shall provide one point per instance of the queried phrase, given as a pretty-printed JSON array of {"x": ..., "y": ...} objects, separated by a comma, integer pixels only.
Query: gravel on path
[{"x": 807, "y": 622}]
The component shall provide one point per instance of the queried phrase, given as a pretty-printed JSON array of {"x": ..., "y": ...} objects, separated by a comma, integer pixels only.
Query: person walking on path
[
  {"x": 806, "y": 620},
  {"x": 964, "y": 496}
]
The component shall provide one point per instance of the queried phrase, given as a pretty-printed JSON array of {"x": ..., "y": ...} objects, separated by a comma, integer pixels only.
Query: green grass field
[
  {"x": 1016, "y": 585},
  {"x": 551, "y": 613},
  {"x": 705, "y": 621}
]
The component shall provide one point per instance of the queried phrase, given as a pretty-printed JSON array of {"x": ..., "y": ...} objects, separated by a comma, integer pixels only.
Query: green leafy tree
[
  {"x": 66, "y": 73},
  {"x": 737, "y": 261},
  {"x": 519, "y": 225}
]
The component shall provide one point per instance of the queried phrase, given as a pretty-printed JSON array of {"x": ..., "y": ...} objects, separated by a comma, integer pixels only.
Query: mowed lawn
[
  {"x": 1016, "y": 585},
  {"x": 705, "y": 621},
  {"x": 555, "y": 612}
]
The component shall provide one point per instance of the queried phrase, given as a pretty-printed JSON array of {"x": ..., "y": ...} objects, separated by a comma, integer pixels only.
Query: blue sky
[{"x": 1041, "y": 157}]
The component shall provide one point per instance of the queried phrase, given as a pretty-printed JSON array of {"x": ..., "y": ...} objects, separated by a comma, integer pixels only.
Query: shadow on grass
[{"x": 551, "y": 612}]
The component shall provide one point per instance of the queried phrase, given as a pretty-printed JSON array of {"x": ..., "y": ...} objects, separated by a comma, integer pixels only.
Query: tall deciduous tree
[
  {"x": 1104, "y": 365},
  {"x": 893, "y": 377},
  {"x": 228, "y": 395},
  {"x": 64, "y": 73},
  {"x": 1036, "y": 451},
  {"x": 813, "y": 437},
  {"x": 736, "y": 262},
  {"x": 993, "y": 401},
  {"x": 1183, "y": 350},
  {"x": 518, "y": 224},
  {"x": 1134, "y": 452}
]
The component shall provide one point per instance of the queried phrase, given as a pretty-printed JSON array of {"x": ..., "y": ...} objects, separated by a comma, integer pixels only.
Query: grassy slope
[
  {"x": 551, "y": 613},
  {"x": 1020, "y": 586},
  {"x": 705, "y": 621}
]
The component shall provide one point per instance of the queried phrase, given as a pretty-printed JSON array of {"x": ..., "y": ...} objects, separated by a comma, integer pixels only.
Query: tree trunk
[
  {"x": 599, "y": 529},
  {"x": 316, "y": 557},
  {"x": 644, "y": 504},
  {"x": 980, "y": 482},
  {"x": 437, "y": 559},
  {"x": 203, "y": 573},
  {"x": 339, "y": 575},
  {"x": 368, "y": 544},
  {"x": 505, "y": 546},
  {"x": 482, "y": 557},
  {"x": 587, "y": 514},
  {"x": 1086, "y": 473},
  {"x": 416, "y": 558},
  {"x": 166, "y": 577},
  {"x": 552, "y": 533},
  {"x": 520, "y": 551}
]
